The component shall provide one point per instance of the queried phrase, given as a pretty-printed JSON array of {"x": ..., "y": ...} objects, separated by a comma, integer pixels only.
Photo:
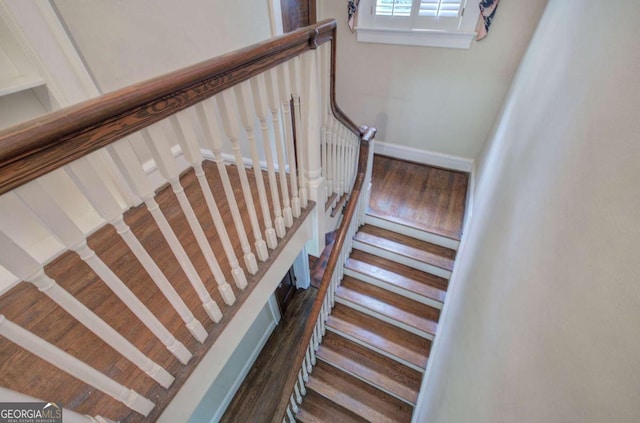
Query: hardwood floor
[
  {"x": 431, "y": 199},
  {"x": 31, "y": 309},
  {"x": 258, "y": 395}
]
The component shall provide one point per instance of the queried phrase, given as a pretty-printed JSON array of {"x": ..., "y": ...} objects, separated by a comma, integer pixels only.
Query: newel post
[{"x": 312, "y": 121}]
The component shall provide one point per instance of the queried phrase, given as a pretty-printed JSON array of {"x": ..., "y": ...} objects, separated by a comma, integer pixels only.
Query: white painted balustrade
[
  {"x": 62, "y": 227},
  {"x": 129, "y": 165},
  {"x": 270, "y": 79},
  {"x": 76, "y": 368},
  {"x": 96, "y": 191},
  {"x": 21, "y": 264},
  {"x": 278, "y": 123}
]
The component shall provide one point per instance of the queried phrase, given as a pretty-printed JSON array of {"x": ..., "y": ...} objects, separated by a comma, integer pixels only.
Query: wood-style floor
[
  {"x": 31, "y": 309},
  {"x": 424, "y": 197}
]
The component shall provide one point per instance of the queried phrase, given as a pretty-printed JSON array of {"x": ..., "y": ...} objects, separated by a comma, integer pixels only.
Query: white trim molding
[
  {"x": 416, "y": 37},
  {"x": 432, "y": 158}
]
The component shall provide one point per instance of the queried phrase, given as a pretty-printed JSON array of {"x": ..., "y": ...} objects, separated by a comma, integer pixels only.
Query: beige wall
[
  {"x": 542, "y": 324},
  {"x": 442, "y": 100},
  {"x": 125, "y": 41}
]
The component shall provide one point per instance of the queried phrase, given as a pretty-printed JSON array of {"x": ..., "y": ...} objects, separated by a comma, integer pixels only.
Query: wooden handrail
[
  {"x": 303, "y": 343},
  {"x": 39, "y": 146}
]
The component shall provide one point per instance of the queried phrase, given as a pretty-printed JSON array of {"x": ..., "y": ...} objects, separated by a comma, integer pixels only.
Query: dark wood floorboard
[
  {"x": 431, "y": 199},
  {"x": 29, "y": 308},
  {"x": 261, "y": 390}
]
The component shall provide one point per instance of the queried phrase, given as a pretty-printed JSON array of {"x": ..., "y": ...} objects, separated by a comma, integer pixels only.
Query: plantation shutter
[{"x": 440, "y": 8}]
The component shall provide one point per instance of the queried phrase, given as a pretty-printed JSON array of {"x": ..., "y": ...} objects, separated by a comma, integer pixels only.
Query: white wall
[
  {"x": 441, "y": 100},
  {"x": 542, "y": 324},
  {"x": 124, "y": 41}
]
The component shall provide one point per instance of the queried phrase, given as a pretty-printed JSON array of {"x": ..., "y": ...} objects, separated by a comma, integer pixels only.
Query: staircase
[{"x": 370, "y": 363}]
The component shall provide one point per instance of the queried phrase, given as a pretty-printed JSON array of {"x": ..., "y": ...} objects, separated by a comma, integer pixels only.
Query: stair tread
[
  {"x": 374, "y": 368},
  {"x": 407, "y": 246},
  {"x": 317, "y": 409},
  {"x": 384, "y": 336},
  {"x": 359, "y": 397},
  {"x": 399, "y": 275},
  {"x": 394, "y": 306}
]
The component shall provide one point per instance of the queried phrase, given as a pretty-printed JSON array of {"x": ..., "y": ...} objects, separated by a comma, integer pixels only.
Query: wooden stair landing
[
  {"x": 26, "y": 306},
  {"x": 432, "y": 199}
]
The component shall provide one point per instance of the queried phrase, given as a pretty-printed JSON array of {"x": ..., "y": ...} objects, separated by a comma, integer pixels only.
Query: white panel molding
[
  {"x": 194, "y": 389},
  {"x": 432, "y": 158}
]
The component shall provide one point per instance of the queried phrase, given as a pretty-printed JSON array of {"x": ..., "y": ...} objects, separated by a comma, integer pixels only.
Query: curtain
[
  {"x": 487, "y": 13},
  {"x": 352, "y": 10}
]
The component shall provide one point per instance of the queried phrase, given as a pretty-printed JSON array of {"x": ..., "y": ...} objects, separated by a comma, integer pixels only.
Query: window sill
[{"x": 416, "y": 37}]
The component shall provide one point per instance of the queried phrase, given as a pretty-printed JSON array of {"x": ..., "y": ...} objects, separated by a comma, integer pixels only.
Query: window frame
[{"x": 418, "y": 31}]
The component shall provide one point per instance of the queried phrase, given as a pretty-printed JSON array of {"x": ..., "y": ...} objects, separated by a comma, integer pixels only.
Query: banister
[
  {"x": 296, "y": 362},
  {"x": 36, "y": 147}
]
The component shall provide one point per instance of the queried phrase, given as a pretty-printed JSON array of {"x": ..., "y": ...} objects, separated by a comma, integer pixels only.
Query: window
[{"x": 437, "y": 23}]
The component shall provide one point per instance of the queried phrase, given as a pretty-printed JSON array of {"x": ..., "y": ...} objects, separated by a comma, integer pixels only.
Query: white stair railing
[{"x": 277, "y": 119}]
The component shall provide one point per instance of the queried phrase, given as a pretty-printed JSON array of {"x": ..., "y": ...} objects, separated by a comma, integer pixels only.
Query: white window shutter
[
  {"x": 394, "y": 7},
  {"x": 440, "y": 8}
]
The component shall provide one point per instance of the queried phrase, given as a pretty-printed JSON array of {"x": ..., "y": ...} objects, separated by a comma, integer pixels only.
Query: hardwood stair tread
[
  {"x": 406, "y": 246},
  {"x": 317, "y": 409},
  {"x": 386, "y": 303},
  {"x": 383, "y": 336},
  {"x": 356, "y": 396},
  {"x": 399, "y": 275},
  {"x": 376, "y": 369}
]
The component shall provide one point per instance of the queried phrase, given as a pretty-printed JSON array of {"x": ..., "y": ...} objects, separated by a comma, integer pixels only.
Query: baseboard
[{"x": 432, "y": 158}]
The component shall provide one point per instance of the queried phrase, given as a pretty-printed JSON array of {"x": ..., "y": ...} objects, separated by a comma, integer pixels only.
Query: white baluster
[
  {"x": 324, "y": 74},
  {"x": 284, "y": 92},
  {"x": 161, "y": 152},
  {"x": 95, "y": 190},
  {"x": 225, "y": 102},
  {"x": 213, "y": 138},
  {"x": 294, "y": 405},
  {"x": 274, "y": 107},
  {"x": 128, "y": 164},
  {"x": 312, "y": 112},
  {"x": 62, "y": 227},
  {"x": 290, "y": 415},
  {"x": 308, "y": 359},
  {"x": 303, "y": 389},
  {"x": 295, "y": 75},
  {"x": 334, "y": 156},
  {"x": 243, "y": 98},
  {"x": 70, "y": 416},
  {"x": 305, "y": 373},
  {"x": 259, "y": 90},
  {"x": 76, "y": 368},
  {"x": 312, "y": 352},
  {"x": 25, "y": 267},
  {"x": 188, "y": 133}
]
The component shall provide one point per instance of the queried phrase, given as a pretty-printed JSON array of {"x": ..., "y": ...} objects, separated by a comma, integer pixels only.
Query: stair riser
[
  {"x": 367, "y": 381},
  {"x": 413, "y": 232},
  {"x": 367, "y": 248},
  {"x": 384, "y": 318},
  {"x": 378, "y": 350},
  {"x": 393, "y": 288}
]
